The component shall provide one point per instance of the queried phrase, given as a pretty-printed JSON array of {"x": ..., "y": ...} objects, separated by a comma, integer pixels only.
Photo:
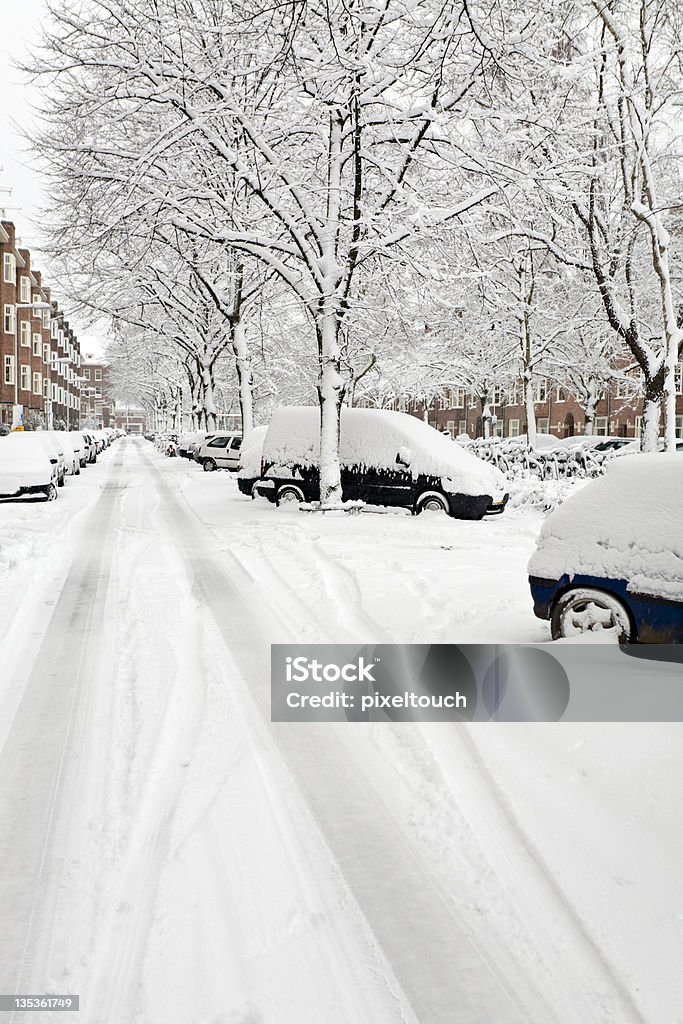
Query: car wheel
[
  {"x": 209, "y": 465},
  {"x": 289, "y": 494},
  {"x": 431, "y": 501},
  {"x": 51, "y": 493},
  {"x": 585, "y": 610}
]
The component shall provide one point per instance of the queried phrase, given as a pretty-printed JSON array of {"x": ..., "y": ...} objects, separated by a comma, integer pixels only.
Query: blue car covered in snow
[{"x": 611, "y": 556}]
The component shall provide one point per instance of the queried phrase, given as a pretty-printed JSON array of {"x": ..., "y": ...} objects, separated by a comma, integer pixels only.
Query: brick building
[
  {"x": 617, "y": 414},
  {"x": 39, "y": 352},
  {"x": 96, "y": 394}
]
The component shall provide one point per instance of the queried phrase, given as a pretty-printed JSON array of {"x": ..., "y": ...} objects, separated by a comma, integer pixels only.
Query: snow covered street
[{"x": 174, "y": 858}]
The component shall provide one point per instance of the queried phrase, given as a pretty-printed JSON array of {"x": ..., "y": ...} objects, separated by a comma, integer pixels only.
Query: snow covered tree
[{"x": 335, "y": 121}]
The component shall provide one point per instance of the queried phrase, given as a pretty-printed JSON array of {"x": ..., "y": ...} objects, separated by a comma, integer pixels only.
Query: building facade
[
  {"x": 617, "y": 413},
  {"x": 97, "y": 404},
  {"x": 40, "y": 359}
]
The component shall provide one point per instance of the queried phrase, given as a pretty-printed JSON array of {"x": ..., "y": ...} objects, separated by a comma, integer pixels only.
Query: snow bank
[
  {"x": 627, "y": 525},
  {"x": 373, "y": 438},
  {"x": 526, "y": 490}
]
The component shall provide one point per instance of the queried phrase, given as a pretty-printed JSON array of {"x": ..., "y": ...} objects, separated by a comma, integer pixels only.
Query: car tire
[
  {"x": 209, "y": 465},
  {"x": 51, "y": 493},
  {"x": 289, "y": 494},
  {"x": 431, "y": 501},
  {"x": 588, "y": 610}
]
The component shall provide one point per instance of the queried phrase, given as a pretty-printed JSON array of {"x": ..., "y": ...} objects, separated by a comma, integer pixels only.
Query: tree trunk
[
  {"x": 589, "y": 411},
  {"x": 531, "y": 433},
  {"x": 208, "y": 402},
  {"x": 245, "y": 378},
  {"x": 331, "y": 394},
  {"x": 669, "y": 402},
  {"x": 652, "y": 401},
  {"x": 486, "y": 418}
]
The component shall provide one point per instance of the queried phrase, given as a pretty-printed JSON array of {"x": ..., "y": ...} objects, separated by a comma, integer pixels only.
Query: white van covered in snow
[{"x": 387, "y": 458}]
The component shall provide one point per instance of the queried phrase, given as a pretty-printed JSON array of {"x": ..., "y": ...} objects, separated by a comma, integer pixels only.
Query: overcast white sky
[{"x": 20, "y": 24}]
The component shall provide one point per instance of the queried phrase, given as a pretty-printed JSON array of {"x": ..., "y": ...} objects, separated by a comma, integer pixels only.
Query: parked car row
[
  {"x": 38, "y": 461},
  {"x": 217, "y": 450}
]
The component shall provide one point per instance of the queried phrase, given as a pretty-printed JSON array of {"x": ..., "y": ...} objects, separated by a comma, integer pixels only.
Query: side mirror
[{"x": 403, "y": 457}]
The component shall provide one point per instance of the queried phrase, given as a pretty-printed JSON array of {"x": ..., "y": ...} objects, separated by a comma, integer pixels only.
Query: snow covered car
[
  {"x": 187, "y": 443},
  {"x": 90, "y": 447},
  {"x": 72, "y": 444},
  {"x": 220, "y": 451},
  {"x": 26, "y": 471},
  {"x": 611, "y": 556},
  {"x": 387, "y": 458},
  {"x": 44, "y": 443},
  {"x": 251, "y": 453}
]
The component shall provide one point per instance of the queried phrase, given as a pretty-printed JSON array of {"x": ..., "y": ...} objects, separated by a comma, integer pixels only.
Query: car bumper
[{"x": 496, "y": 508}]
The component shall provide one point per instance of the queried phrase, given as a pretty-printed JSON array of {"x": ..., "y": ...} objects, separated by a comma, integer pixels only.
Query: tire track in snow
[{"x": 40, "y": 753}]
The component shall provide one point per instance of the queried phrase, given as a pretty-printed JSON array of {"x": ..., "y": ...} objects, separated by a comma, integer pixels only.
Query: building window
[
  {"x": 543, "y": 425},
  {"x": 678, "y": 377},
  {"x": 46, "y": 319},
  {"x": 86, "y": 373},
  {"x": 462, "y": 426},
  {"x": 513, "y": 428},
  {"x": 540, "y": 391},
  {"x": 46, "y": 354},
  {"x": 9, "y": 319},
  {"x": 24, "y": 289},
  {"x": 37, "y": 344},
  {"x": 98, "y": 375},
  {"x": 9, "y": 268},
  {"x": 560, "y": 395},
  {"x": 497, "y": 395},
  {"x": 25, "y": 334},
  {"x": 54, "y": 330},
  {"x": 9, "y": 369},
  {"x": 37, "y": 384},
  {"x": 25, "y": 379},
  {"x": 600, "y": 428},
  {"x": 459, "y": 398},
  {"x": 46, "y": 388}
]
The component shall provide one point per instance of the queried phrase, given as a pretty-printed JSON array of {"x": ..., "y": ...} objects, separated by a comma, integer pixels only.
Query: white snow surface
[
  {"x": 626, "y": 525},
  {"x": 374, "y": 437},
  {"x": 208, "y": 867}
]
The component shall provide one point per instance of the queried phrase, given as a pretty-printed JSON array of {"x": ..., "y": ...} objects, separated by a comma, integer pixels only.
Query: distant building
[
  {"x": 130, "y": 419},
  {"x": 97, "y": 401},
  {"x": 39, "y": 352}
]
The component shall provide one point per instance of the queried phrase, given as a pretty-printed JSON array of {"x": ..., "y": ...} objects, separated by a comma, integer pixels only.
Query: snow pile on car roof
[
  {"x": 626, "y": 525},
  {"x": 374, "y": 437}
]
